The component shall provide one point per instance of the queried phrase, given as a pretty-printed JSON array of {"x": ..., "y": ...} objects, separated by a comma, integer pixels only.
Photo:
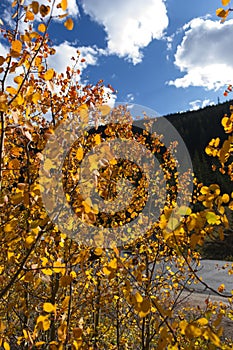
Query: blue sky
[{"x": 169, "y": 56}]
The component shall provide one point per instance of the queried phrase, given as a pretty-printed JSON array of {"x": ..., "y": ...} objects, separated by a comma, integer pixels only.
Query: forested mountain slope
[{"x": 197, "y": 128}]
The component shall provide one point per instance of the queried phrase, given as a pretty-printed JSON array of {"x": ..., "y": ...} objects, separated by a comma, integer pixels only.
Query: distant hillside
[{"x": 197, "y": 128}]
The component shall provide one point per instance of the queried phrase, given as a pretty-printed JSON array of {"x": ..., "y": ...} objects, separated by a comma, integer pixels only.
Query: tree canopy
[{"x": 57, "y": 291}]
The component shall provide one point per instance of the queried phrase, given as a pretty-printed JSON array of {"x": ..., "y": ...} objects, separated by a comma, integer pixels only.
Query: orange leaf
[
  {"x": 69, "y": 24},
  {"x": 16, "y": 46},
  {"x": 220, "y": 12},
  {"x": 42, "y": 27},
  {"x": 64, "y": 4},
  {"x": 225, "y": 2},
  {"x": 29, "y": 16}
]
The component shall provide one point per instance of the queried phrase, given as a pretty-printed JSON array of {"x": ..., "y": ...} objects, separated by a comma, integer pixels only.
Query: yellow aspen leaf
[
  {"x": 87, "y": 205},
  {"x": 79, "y": 153},
  {"x": 18, "y": 79},
  {"x": 64, "y": 4},
  {"x": 113, "y": 161},
  {"x": 35, "y": 7},
  {"x": 25, "y": 333},
  {"x": 97, "y": 139},
  {"x": 42, "y": 27},
  {"x": 69, "y": 24},
  {"x": 113, "y": 264},
  {"x": 138, "y": 297},
  {"x": 11, "y": 90},
  {"x": 19, "y": 100},
  {"x": 29, "y": 240},
  {"x": 47, "y": 272},
  {"x": 225, "y": 2},
  {"x": 98, "y": 251},
  {"x": 59, "y": 267},
  {"x": 29, "y": 16},
  {"x": 73, "y": 274},
  {"x": 6, "y": 345},
  {"x": 36, "y": 97},
  {"x": 77, "y": 344},
  {"x": 212, "y": 218},
  {"x": 213, "y": 337},
  {"x": 162, "y": 222},
  {"x": 183, "y": 324},
  {"x": 43, "y": 322},
  {"x": 225, "y": 198},
  {"x": 106, "y": 271},
  {"x": 202, "y": 321},
  {"x": 192, "y": 331},
  {"x": 49, "y": 74},
  {"x": 48, "y": 307},
  {"x": 220, "y": 12}
]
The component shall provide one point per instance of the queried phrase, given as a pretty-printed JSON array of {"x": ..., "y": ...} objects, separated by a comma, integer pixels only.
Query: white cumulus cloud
[
  {"x": 130, "y": 25},
  {"x": 205, "y": 54},
  {"x": 197, "y": 104}
]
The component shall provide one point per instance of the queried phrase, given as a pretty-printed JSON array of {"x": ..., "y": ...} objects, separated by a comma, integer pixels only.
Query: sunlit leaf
[
  {"x": 6, "y": 345},
  {"x": 225, "y": 2},
  {"x": 43, "y": 322},
  {"x": 29, "y": 16},
  {"x": 64, "y": 4},
  {"x": 48, "y": 307},
  {"x": 69, "y": 24},
  {"x": 42, "y": 27},
  {"x": 79, "y": 153},
  {"x": 98, "y": 251},
  {"x": 220, "y": 12},
  {"x": 49, "y": 74},
  {"x": 16, "y": 47}
]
